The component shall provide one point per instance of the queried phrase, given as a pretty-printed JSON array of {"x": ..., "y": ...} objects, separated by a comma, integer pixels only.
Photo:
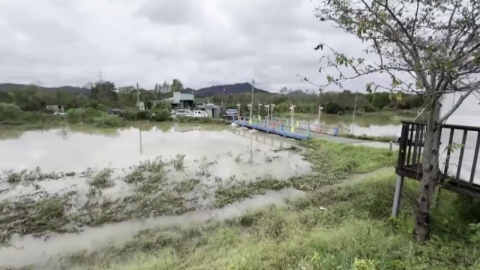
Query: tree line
[
  {"x": 105, "y": 95},
  {"x": 332, "y": 102}
]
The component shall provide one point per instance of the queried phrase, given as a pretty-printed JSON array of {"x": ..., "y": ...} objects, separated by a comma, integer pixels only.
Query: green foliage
[
  {"x": 129, "y": 114},
  {"x": 177, "y": 85},
  {"x": 108, "y": 121},
  {"x": 13, "y": 115},
  {"x": 143, "y": 115},
  {"x": 161, "y": 115},
  {"x": 9, "y": 111},
  {"x": 84, "y": 115}
]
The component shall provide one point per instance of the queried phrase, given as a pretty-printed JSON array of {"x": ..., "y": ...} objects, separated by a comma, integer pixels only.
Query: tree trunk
[{"x": 430, "y": 164}]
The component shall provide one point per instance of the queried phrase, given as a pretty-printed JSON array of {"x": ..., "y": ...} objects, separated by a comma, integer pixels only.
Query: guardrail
[{"x": 287, "y": 124}]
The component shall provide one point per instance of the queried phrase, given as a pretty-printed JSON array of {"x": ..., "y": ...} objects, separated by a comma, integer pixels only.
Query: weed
[
  {"x": 178, "y": 162},
  {"x": 102, "y": 179}
]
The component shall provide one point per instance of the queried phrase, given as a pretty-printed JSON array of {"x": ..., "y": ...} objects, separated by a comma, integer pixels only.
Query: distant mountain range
[
  {"x": 225, "y": 89},
  {"x": 13, "y": 86},
  {"x": 203, "y": 92}
]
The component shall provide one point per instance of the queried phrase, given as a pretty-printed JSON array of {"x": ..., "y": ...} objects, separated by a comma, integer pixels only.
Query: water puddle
[
  {"x": 30, "y": 250},
  {"x": 91, "y": 190}
]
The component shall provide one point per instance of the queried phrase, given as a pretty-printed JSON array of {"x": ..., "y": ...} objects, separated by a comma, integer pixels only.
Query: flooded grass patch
[
  {"x": 182, "y": 182},
  {"x": 345, "y": 228},
  {"x": 102, "y": 179}
]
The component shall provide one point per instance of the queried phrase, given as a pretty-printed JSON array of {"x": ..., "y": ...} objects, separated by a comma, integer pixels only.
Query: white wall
[{"x": 468, "y": 114}]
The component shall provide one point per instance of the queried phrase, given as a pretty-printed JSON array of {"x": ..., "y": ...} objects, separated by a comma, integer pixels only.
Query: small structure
[
  {"x": 459, "y": 149},
  {"x": 182, "y": 100},
  {"x": 211, "y": 109},
  {"x": 56, "y": 108}
]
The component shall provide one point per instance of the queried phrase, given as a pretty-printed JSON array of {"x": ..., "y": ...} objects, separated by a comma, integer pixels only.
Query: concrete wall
[
  {"x": 468, "y": 114},
  {"x": 177, "y": 97}
]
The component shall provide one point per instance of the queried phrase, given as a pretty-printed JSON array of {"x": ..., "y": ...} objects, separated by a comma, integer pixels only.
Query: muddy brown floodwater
[{"x": 65, "y": 191}]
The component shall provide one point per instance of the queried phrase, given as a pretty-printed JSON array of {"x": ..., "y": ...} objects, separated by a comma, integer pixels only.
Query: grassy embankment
[
  {"x": 345, "y": 227},
  {"x": 11, "y": 115}
]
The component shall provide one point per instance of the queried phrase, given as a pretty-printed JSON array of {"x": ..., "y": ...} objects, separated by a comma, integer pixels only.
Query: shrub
[
  {"x": 108, "y": 121},
  {"x": 161, "y": 116},
  {"x": 129, "y": 115},
  {"x": 143, "y": 115},
  {"x": 9, "y": 112},
  {"x": 83, "y": 115}
]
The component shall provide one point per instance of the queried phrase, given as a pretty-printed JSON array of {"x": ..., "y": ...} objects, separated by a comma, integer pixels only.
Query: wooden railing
[
  {"x": 411, "y": 145},
  {"x": 455, "y": 142},
  {"x": 462, "y": 173}
]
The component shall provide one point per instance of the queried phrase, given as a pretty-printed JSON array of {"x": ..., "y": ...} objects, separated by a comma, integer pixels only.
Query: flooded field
[{"x": 67, "y": 190}]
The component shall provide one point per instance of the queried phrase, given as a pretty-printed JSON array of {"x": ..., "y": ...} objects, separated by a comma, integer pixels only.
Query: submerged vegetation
[
  {"x": 342, "y": 220},
  {"x": 348, "y": 227}
]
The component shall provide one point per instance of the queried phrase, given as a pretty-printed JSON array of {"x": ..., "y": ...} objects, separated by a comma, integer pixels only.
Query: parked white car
[
  {"x": 183, "y": 113},
  {"x": 198, "y": 113}
]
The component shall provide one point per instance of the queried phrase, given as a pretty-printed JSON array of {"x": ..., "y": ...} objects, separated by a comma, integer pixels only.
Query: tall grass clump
[
  {"x": 83, "y": 115},
  {"x": 108, "y": 121},
  {"x": 346, "y": 228}
]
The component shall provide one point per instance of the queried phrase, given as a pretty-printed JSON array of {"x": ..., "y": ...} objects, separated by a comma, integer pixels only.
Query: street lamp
[
  {"x": 320, "y": 108},
  {"x": 354, "y": 111},
  {"x": 267, "y": 108},
  {"x": 238, "y": 106},
  {"x": 292, "y": 111},
  {"x": 272, "y": 106},
  {"x": 251, "y": 104}
]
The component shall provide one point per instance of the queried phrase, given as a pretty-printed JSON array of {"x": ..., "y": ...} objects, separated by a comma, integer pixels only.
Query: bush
[
  {"x": 129, "y": 115},
  {"x": 143, "y": 115},
  {"x": 109, "y": 121},
  {"x": 9, "y": 112},
  {"x": 13, "y": 115},
  {"x": 161, "y": 116},
  {"x": 83, "y": 115}
]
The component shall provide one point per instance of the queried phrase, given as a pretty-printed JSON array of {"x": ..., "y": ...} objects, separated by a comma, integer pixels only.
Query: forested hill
[
  {"x": 73, "y": 89},
  {"x": 203, "y": 92},
  {"x": 227, "y": 89}
]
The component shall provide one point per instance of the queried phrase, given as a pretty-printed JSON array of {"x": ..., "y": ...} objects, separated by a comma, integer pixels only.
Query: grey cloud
[
  {"x": 175, "y": 12},
  {"x": 200, "y": 42}
]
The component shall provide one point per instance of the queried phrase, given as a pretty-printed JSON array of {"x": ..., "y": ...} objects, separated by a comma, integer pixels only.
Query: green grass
[
  {"x": 332, "y": 162},
  {"x": 356, "y": 230}
]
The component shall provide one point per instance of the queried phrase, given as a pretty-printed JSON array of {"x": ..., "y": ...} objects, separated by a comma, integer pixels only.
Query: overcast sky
[{"x": 200, "y": 42}]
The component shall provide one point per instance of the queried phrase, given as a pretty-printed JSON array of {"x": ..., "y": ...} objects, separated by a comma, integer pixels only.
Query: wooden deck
[{"x": 409, "y": 163}]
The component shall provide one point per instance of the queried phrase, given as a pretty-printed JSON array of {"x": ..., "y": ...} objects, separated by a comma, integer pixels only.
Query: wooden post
[{"x": 397, "y": 199}]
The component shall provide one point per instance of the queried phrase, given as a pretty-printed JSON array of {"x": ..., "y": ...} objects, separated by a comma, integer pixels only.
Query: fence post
[{"x": 308, "y": 130}]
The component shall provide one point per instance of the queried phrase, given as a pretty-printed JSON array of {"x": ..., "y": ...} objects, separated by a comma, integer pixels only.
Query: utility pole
[
  {"x": 100, "y": 76},
  {"x": 251, "y": 104},
  {"x": 354, "y": 110},
  {"x": 138, "y": 99}
]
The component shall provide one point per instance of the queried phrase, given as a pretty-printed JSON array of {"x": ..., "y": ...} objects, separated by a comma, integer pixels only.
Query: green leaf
[
  {"x": 419, "y": 84},
  {"x": 369, "y": 88},
  {"x": 398, "y": 96}
]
